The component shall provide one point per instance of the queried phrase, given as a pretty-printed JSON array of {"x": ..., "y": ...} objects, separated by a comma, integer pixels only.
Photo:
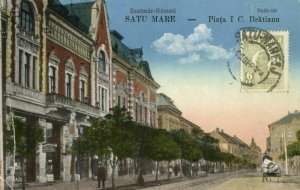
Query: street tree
[
  {"x": 189, "y": 145},
  {"x": 27, "y": 138},
  {"x": 113, "y": 137},
  {"x": 160, "y": 146}
]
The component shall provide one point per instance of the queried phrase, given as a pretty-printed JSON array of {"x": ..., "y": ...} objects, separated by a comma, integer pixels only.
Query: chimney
[
  {"x": 217, "y": 129},
  {"x": 296, "y": 111},
  {"x": 222, "y": 131}
]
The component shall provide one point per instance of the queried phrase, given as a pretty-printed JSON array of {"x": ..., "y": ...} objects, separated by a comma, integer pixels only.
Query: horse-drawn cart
[{"x": 270, "y": 169}]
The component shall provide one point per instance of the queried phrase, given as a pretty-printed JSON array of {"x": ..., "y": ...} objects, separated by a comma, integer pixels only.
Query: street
[
  {"x": 235, "y": 181},
  {"x": 239, "y": 180}
]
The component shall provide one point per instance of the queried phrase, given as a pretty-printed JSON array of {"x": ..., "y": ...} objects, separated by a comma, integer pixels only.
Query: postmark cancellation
[{"x": 264, "y": 60}]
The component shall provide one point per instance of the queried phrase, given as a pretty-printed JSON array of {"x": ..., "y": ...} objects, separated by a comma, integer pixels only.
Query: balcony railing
[
  {"x": 55, "y": 100},
  {"x": 25, "y": 93}
]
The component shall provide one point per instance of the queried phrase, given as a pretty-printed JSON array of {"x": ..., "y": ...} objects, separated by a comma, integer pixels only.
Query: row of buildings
[
  {"x": 282, "y": 133},
  {"x": 238, "y": 148},
  {"x": 62, "y": 67}
]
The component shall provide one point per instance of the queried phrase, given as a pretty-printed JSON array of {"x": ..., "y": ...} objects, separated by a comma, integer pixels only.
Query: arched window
[
  {"x": 101, "y": 64},
  {"x": 27, "y": 17}
]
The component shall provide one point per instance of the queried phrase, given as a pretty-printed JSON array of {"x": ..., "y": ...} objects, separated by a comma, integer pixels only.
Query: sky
[{"x": 189, "y": 59}]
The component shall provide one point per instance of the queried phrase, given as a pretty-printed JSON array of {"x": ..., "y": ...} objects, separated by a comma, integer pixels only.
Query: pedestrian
[
  {"x": 176, "y": 169},
  {"x": 101, "y": 175}
]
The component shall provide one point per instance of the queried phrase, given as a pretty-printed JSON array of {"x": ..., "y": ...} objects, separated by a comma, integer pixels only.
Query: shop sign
[{"x": 49, "y": 147}]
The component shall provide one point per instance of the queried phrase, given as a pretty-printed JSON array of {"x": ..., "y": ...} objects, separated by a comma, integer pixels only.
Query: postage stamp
[{"x": 263, "y": 60}]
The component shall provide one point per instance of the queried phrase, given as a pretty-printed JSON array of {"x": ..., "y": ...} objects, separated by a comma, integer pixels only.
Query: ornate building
[
  {"x": 134, "y": 86},
  {"x": 170, "y": 117},
  {"x": 134, "y": 89},
  {"x": 58, "y": 74}
]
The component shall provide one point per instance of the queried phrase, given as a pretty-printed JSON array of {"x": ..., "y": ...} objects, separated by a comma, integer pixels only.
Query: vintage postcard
[{"x": 211, "y": 89}]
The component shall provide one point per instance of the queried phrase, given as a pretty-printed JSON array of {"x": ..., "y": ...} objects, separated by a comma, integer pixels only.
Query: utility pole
[
  {"x": 285, "y": 153},
  {"x": 1, "y": 112}
]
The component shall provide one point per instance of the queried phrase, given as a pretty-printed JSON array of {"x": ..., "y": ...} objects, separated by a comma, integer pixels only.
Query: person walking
[{"x": 101, "y": 175}]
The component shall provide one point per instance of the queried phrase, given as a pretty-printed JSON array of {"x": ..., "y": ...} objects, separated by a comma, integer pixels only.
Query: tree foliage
[
  {"x": 294, "y": 148},
  {"x": 27, "y": 137}
]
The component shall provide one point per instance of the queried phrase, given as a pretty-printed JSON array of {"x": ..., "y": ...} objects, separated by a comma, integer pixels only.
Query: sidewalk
[{"x": 89, "y": 184}]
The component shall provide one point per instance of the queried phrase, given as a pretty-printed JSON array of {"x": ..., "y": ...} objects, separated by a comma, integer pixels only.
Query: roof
[
  {"x": 78, "y": 14},
  {"x": 133, "y": 56},
  {"x": 163, "y": 100},
  {"x": 230, "y": 139},
  {"x": 240, "y": 141},
  {"x": 83, "y": 12},
  {"x": 288, "y": 119}
]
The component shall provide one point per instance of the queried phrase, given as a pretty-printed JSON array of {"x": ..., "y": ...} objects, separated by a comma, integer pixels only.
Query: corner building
[{"x": 58, "y": 73}]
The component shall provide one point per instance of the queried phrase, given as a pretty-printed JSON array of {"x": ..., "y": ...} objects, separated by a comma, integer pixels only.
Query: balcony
[
  {"x": 54, "y": 100},
  {"x": 23, "y": 92}
]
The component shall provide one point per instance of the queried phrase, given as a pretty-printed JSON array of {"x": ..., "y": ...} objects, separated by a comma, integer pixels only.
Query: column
[
  {"x": 131, "y": 92},
  {"x": 23, "y": 68},
  {"x": 66, "y": 158},
  {"x": 30, "y": 71},
  {"x": 41, "y": 158},
  {"x": 93, "y": 85}
]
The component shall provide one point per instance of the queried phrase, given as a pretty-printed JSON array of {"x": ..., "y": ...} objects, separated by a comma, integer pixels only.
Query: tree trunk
[
  {"x": 156, "y": 170},
  {"x": 113, "y": 167},
  {"x": 169, "y": 170},
  {"x": 181, "y": 167},
  {"x": 22, "y": 173}
]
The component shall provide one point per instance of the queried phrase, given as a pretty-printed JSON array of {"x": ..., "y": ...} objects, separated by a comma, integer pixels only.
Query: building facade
[
  {"x": 58, "y": 74},
  {"x": 282, "y": 133},
  {"x": 3, "y": 27},
  {"x": 236, "y": 147},
  {"x": 134, "y": 87},
  {"x": 170, "y": 117}
]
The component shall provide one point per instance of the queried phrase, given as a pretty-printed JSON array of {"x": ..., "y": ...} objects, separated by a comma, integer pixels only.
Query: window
[
  {"x": 101, "y": 64},
  {"x": 102, "y": 94},
  {"x": 49, "y": 132},
  {"x": 290, "y": 134},
  {"x": 33, "y": 72},
  {"x": 103, "y": 99},
  {"x": 141, "y": 114},
  {"x": 136, "y": 111},
  {"x": 69, "y": 82},
  {"x": 276, "y": 134},
  {"x": 119, "y": 102},
  {"x": 53, "y": 73},
  {"x": 124, "y": 102},
  {"x": 82, "y": 83},
  {"x": 52, "y": 79},
  {"x": 20, "y": 66},
  {"x": 26, "y": 69},
  {"x": 153, "y": 118},
  {"x": 27, "y": 17},
  {"x": 82, "y": 90},
  {"x": 68, "y": 85},
  {"x": 146, "y": 115}
]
